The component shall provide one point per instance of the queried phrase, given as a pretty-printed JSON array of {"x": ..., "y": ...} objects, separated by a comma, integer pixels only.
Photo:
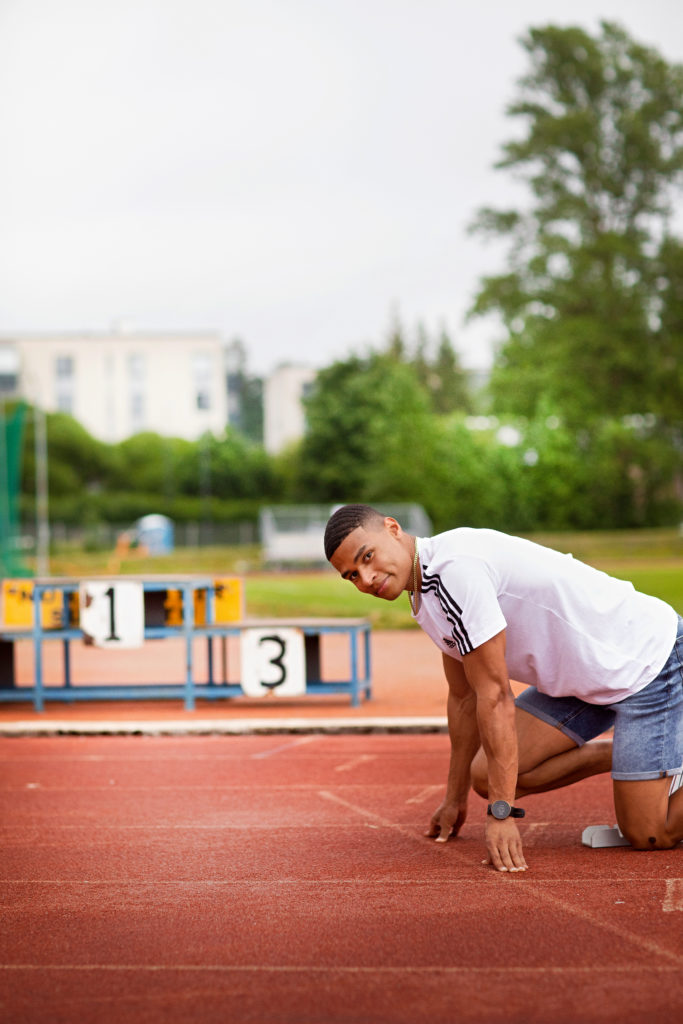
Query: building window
[
  {"x": 137, "y": 411},
  {"x": 136, "y": 367},
  {"x": 202, "y": 365},
  {"x": 137, "y": 372},
  {"x": 65, "y": 402},
  {"x": 9, "y": 370},
  {"x": 65, "y": 382},
  {"x": 64, "y": 367},
  {"x": 109, "y": 396}
]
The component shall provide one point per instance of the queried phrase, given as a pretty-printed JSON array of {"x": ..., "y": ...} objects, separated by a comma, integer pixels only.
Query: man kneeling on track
[{"x": 594, "y": 652}]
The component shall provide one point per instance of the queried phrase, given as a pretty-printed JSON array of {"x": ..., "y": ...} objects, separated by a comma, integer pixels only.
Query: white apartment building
[
  {"x": 283, "y": 412},
  {"x": 122, "y": 383}
]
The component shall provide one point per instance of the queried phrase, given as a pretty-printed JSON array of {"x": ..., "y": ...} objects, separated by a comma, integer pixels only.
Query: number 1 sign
[
  {"x": 112, "y": 613},
  {"x": 273, "y": 661}
]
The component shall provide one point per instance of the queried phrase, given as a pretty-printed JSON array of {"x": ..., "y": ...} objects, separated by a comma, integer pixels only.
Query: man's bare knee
[
  {"x": 644, "y": 839},
  {"x": 642, "y": 808}
]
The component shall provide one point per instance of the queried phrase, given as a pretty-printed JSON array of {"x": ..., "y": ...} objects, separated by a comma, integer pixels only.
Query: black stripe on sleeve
[{"x": 451, "y": 609}]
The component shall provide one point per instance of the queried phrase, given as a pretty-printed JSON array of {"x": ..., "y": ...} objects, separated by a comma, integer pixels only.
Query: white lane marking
[
  {"x": 316, "y": 968},
  {"x": 456, "y": 883},
  {"x": 654, "y": 948},
  {"x": 283, "y": 746},
  {"x": 355, "y": 762},
  {"x": 428, "y": 791},
  {"x": 533, "y": 830},
  {"x": 673, "y": 900},
  {"x": 371, "y": 815}
]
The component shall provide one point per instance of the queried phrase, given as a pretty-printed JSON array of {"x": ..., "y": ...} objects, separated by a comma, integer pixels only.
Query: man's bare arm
[
  {"x": 449, "y": 818},
  {"x": 486, "y": 672}
]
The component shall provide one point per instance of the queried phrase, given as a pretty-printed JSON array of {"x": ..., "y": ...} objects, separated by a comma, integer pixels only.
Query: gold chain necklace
[{"x": 414, "y": 593}]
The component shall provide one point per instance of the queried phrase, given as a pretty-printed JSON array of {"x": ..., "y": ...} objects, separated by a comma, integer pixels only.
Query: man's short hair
[{"x": 344, "y": 521}]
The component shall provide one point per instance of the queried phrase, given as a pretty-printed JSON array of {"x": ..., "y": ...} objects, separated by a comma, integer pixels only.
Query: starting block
[{"x": 603, "y": 835}]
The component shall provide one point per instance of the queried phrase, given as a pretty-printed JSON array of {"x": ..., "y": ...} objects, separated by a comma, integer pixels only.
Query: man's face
[{"x": 375, "y": 560}]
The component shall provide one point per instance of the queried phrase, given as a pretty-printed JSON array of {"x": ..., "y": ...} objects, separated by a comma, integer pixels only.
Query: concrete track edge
[{"x": 235, "y": 727}]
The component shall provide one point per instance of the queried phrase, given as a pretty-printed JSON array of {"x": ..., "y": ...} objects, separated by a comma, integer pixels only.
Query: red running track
[{"x": 286, "y": 879}]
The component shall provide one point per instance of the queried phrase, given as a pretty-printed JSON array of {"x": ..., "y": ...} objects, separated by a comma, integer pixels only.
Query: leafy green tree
[
  {"x": 228, "y": 467},
  {"x": 668, "y": 368},
  {"x": 77, "y": 463},
  {"x": 241, "y": 468},
  {"x": 436, "y": 366},
  {"x": 370, "y": 433},
  {"x": 252, "y": 409},
  {"x": 591, "y": 298},
  {"x": 448, "y": 382},
  {"x": 149, "y": 463},
  {"x": 465, "y": 486},
  {"x": 420, "y": 361},
  {"x": 245, "y": 393},
  {"x": 396, "y": 346}
]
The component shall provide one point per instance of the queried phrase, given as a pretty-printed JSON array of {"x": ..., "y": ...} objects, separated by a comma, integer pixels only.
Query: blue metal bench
[{"x": 66, "y": 631}]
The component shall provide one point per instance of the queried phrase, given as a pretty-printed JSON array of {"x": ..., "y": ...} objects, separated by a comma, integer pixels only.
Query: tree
[
  {"x": 245, "y": 394},
  {"x": 591, "y": 300},
  {"x": 251, "y": 424},
  {"x": 436, "y": 366},
  {"x": 669, "y": 367},
  {"x": 78, "y": 463},
  {"x": 396, "y": 343},
  {"x": 228, "y": 467},
  {"x": 149, "y": 464},
  {"x": 448, "y": 381},
  {"x": 369, "y": 434}
]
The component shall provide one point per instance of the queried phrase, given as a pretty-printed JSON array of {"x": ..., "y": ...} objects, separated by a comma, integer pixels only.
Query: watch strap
[{"x": 515, "y": 812}]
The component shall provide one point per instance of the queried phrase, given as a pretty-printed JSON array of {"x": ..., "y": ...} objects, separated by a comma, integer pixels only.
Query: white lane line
[
  {"x": 283, "y": 746},
  {"x": 535, "y": 830},
  {"x": 673, "y": 900},
  {"x": 274, "y": 787},
  {"x": 361, "y": 759},
  {"x": 384, "y": 822},
  {"x": 511, "y": 971},
  {"x": 387, "y": 880},
  {"x": 653, "y": 948},
  {"x": 428, "y": 791}
]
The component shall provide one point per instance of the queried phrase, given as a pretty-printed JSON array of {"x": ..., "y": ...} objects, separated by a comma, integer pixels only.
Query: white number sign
[
  {"x": 112, "y": 614},
  {"x": 273, "y": 661}
]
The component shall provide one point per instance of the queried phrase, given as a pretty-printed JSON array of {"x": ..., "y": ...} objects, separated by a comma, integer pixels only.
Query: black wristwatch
[{"x": 501, "y": 810}]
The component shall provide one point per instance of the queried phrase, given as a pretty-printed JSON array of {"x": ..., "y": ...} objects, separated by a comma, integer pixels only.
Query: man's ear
[{"x": 393, "y": 526}]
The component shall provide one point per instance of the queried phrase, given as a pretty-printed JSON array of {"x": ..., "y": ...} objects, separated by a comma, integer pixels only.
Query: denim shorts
[{"x": 648, "y": 725}]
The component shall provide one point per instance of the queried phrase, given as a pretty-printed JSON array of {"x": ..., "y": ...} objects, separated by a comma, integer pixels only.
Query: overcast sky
[{"x": 290, "y": 172}]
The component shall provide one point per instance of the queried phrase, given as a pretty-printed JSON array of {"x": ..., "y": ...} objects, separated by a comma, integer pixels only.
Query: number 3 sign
[
  {"x": 112, "y": 614},
  {"x": 273, "y": 661}
]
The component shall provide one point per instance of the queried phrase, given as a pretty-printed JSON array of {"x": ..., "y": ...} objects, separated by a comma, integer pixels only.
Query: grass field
[{"x": 651, "y": 559}]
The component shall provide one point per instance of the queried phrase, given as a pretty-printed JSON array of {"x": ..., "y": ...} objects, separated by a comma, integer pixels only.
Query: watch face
[{"x": 501, "y": 809}]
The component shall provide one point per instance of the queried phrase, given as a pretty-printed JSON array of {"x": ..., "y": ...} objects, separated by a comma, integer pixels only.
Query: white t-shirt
[{"x": 571, "y": 629}]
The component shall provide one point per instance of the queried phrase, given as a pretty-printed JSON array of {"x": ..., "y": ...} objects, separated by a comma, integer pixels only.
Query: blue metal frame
[{"x": 359, "y": 686}]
